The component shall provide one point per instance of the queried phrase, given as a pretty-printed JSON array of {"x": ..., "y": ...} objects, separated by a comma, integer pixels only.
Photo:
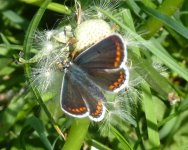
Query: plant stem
[
  {"x": 77, "y": 134},
  {"x": 52, "y": 6}
]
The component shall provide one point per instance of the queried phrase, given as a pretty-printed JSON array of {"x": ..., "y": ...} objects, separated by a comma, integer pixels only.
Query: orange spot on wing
[
  {"x": 118, "y": 53},
  {"x": 117, "y": 59},
  {"x": 118, "y": 48},
  {"x": 77, "y": 110},
  {"x": 116, "y": 64},
  {"x": 98, "y": 110},
  {"x": 118, "y": 82}
]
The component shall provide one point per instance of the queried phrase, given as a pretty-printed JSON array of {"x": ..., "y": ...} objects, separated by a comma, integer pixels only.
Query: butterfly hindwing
[
  {"x": 110, "y": 80},
  {"x": 94, "y": 99}
]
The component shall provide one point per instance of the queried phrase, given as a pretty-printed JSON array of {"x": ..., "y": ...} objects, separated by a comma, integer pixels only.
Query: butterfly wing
[
  {"x": 80, "y": 96},
  {"x": 110, "y": 53},
  {"x": 110, "y": 80},
  {"x": 72, "y": 102},
  {"x": 94, "y": 99},
  {"x": 105, "y": 63}
]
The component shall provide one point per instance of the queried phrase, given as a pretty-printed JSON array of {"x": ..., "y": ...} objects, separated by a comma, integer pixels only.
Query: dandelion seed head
[
  {"x": 47, "y": 74},
  {"x": 44, "y": 44},
  {"x": 64, "y": 34},
  {"x": 43, "y": 36},
  {"x": 42, "y": 78},
  {"x": 105, "y": 128},
  {"x": 90, "y": 32},
  {"x": 52, "y": 46},
  {"x": 51, "y": 52},
  {"x": 61, "y": 37},
  {"x": 99, "y": 15},
  {"x": 47, "y": 47},
  {"x": 121, "y": 110},
  {"x": 125, "y": 105},
  {"x": 49, "y": 34}
]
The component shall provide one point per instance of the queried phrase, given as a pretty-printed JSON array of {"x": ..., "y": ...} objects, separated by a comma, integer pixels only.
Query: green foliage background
[{"x": 26, "y": 122}]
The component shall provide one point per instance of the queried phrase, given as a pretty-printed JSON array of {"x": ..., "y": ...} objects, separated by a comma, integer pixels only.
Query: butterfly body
[{"x": 100, "y": 67}]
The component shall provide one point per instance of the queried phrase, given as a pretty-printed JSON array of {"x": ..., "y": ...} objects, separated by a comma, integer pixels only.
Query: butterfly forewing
[{"x": 107, "y": 54}]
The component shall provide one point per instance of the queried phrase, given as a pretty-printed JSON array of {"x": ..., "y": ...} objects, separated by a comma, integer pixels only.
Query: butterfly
[{"x": 101, "y": 67}]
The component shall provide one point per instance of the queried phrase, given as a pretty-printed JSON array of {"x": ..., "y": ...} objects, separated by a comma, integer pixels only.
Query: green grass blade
[
  {"x": 152, "y": 25},
  {"x": 121, "y": 139},
  {"x": 12, "y": 47},
  {"x": 175, "y": 25},
  {"x": 4, "y": 39},
  {"x": 31, "y": 31},
  {"x": 152, "y": 127},
  {"x": 161, "y": 85},
  {"x": 133, "y": 5},
  {"x": 38, "y": 126},
  {"x": 183, "y": 107},
  {"x": 7, "y": 119},
  {"x": 99, "y": 145}
]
